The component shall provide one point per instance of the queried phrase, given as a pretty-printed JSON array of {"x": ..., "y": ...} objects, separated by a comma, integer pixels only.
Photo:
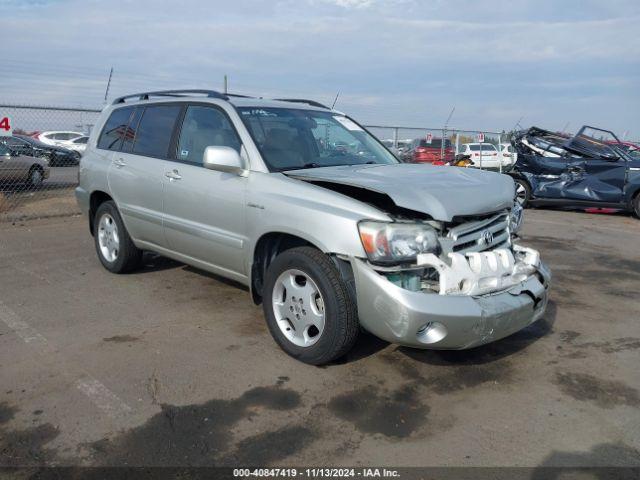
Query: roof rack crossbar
[
  {"x": 313, "y": 103},
  {"x": 170, "y": 93}
]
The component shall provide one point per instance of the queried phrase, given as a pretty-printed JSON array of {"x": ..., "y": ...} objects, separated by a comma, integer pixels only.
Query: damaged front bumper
[{"x": 482, "y": 298}]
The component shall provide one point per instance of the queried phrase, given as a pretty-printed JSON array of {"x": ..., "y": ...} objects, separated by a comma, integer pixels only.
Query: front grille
[{"x": 478, "y": 235}]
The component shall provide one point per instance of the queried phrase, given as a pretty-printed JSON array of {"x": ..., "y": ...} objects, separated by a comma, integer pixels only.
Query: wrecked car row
[{"x": 590, "y": 169}]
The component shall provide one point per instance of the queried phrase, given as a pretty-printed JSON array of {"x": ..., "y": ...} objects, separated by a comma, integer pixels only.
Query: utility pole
[
  {"x": 518, "y": 123},
  {"x": 225, "y": 84},
  {"x": 444, "y": 133},
  {"x": 106, "y": 92}
]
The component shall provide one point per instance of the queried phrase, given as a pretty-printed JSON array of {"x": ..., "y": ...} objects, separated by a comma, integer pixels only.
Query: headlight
[
  {"x": 516, "y": 217},
  {"x": 396, "y": 242}
]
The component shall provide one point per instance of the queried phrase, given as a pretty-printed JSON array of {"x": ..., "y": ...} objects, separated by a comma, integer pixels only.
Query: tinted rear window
[
  {"x": 154, "y": 131},
  {"x": 129, "y": 134},
  {"x": 485, "y": 147},
  {"x": 436, "y": 143},
  {"x": 114, "y": 128}
]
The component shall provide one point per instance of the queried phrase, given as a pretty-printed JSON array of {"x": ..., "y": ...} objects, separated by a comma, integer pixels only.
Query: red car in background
[
  {"x": 631, "y": 148},
  {"x": 420, "y": 151}
]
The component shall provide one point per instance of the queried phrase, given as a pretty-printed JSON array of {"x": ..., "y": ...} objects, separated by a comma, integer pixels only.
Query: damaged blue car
[{"x": 589, "y": 169}]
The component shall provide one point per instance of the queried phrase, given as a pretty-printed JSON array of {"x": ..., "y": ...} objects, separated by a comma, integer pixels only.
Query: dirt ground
[
  {"x": 174, "y": 366},
  {"x": 54, "y": 198}
]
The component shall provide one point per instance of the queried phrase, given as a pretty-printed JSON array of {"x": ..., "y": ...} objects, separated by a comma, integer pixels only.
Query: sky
[{"x": 554, "y": 64}]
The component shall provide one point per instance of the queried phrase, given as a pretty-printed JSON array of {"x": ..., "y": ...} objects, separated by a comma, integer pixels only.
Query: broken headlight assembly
[
  {"x": 516, "y": 217},
  {"x": 397, "y": 242}
]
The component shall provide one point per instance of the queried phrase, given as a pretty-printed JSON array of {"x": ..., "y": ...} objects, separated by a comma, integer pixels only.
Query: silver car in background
[
  {"x": 16, "y": 168},
  {"x": 324, "y": 225}
]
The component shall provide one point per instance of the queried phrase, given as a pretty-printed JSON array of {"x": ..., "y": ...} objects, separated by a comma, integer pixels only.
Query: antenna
[
  {"x": 106, "y": 92},
  {"x": 566, "y": 125},
  {"x": 226, "y": 84},
  {"x": 335, "y": 100}
]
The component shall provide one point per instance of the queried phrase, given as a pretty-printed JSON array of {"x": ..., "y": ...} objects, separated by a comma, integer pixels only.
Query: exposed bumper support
[
  {"x": 448, "y": 321},
  {"x": 478, "y": 273}
]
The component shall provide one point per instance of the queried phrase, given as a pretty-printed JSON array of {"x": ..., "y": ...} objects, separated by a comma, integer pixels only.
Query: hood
[{"x": 440, "y": 192}]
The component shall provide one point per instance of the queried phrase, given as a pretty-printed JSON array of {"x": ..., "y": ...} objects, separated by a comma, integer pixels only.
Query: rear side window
[
  {"x": 154, "y": 131},
  {"x": 129, "y": 134},
  {"x": 114, "y": 129}
]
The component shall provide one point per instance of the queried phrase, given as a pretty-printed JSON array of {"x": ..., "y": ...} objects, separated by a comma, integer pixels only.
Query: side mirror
[{"x": 223, "y": 159}]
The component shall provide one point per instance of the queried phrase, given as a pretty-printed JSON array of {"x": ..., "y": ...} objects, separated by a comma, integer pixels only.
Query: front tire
[
  {"x": 523, "y": 193},
  {"x": 114, "y": 246},
  {"x": 308, "y": 308}
]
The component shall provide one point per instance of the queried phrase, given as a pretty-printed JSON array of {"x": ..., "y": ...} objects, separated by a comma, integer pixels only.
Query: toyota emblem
[{"x": 486, "y": 238}]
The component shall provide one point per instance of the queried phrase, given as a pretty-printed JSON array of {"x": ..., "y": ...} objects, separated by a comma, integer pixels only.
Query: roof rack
[
  {"x": 238, "y": 95},
  {"x": 313, "y": 103},
  {"x": 171, "y": 93}
]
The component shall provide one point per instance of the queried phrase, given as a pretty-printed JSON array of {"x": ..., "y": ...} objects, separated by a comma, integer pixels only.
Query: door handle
[
  {"x": 119, "y": 162},
  {"x": 173, "y": 175}
]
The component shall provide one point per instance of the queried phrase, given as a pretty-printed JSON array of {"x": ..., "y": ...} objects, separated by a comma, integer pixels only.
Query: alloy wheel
[
  {"x": 108, "y": 238},
  {"x": 298, "y": 307}
]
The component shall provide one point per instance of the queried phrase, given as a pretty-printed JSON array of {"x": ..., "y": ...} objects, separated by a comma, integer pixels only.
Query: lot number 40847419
[{"x": 5, "y": 126}]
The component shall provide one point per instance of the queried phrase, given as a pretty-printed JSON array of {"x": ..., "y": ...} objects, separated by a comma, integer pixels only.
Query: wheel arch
[
  {"x": 266, "y": 249},
  {"x": 96, "y": 199},
  {"x": 635, "y": 191},
  {"x": 271, "y": 244}
]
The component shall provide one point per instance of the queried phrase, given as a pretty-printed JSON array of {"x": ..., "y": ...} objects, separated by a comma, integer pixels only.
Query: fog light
[
  {"x": 431, "y": 332},
  {"x": 425, "y": 328}
]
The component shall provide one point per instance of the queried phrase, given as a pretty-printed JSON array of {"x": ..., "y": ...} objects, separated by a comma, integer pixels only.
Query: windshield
[
  {"x": 485, "y": 147},
  {"x": 290, "y": 139},
  {"x": 596, "y": 143}
]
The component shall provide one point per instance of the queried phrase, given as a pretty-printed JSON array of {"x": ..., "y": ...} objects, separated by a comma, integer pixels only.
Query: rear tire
[
  {"x": 636, "y": 205},
  {"x": 36, "y": 176},
  {"x": 523, "y": 192},
  {"x": 114, "y": 246},
  {"x": 295, "y": 276}
]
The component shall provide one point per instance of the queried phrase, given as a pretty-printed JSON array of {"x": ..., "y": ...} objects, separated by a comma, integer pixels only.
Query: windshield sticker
[
  {"x": 348, "y": 124},
  {"x": 259, "y": 113}
]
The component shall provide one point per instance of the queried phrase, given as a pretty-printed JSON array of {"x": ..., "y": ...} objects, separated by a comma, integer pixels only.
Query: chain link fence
[
  {"x": 39, "y": 162},
  {"x": 486, "y": 150}
]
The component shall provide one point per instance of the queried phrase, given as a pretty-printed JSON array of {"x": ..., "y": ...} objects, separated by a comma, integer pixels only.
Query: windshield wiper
[
  {"x": 311, "y": 165},
  {"x": 306, "y": 165}
]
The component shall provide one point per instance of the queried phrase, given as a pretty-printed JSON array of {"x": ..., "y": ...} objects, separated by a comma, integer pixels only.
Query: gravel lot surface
[{"x": 174, "y": 366}]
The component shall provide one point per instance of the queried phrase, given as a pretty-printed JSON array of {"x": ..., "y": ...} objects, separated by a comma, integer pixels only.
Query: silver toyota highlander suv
[{"x": 328, "y": 229}]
